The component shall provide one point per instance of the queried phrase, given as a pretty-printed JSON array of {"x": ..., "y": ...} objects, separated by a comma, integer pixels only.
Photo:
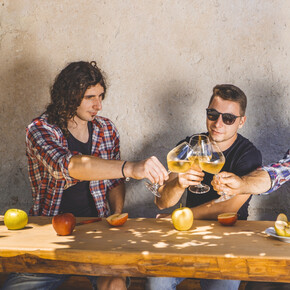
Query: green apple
[
  {"x": 182, "y": 218},
  {"x": 15, "y": 219}
]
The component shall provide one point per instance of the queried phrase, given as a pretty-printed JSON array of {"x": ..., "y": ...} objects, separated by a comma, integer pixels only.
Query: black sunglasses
[{"x": 228, "y": 119}]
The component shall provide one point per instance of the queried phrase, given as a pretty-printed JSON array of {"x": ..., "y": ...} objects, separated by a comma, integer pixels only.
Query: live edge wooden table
[{"x": 148, "y": 247}]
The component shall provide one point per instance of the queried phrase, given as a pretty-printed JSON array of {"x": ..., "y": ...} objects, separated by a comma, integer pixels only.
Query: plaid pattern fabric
[
  {"x": 48, "y": 159},
  {"x": 279, "y": 172}
]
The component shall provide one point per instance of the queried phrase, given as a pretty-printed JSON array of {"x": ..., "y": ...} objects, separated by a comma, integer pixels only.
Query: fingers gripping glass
[
  {"x": 228, "y": 119},
  {"x": 201, "y": 151},
  {"x": 179, "y": 160}
]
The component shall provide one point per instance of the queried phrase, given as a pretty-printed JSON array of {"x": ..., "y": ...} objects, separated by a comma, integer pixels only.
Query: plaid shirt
[
  {"x": 279, "y": 172},
  {"x": 48, "y": 159}
]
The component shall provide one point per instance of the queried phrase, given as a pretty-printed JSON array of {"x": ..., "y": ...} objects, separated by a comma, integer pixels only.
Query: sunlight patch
[{"x": 160, "y": 245}]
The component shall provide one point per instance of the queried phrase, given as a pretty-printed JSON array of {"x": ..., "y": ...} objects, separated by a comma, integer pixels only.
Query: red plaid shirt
[{"x": 48, "y": 159}]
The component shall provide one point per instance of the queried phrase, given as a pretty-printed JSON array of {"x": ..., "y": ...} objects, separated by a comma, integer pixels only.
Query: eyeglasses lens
[{"x": 228, "y": 119}]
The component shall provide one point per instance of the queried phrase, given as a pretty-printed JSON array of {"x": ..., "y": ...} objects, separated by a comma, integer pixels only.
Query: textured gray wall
[{"x": 162, "y": 59}]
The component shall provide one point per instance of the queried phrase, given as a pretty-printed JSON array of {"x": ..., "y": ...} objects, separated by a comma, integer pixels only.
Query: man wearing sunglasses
[{"x": 225, "y": 116}]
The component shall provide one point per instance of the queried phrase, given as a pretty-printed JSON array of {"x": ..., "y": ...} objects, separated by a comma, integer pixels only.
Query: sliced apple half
[
  {"x": 227, "y": 219},
  {"x": 287, "y": 231},
  {"x": 282, "y": 226},
  {"x": 117, "y": 220}
]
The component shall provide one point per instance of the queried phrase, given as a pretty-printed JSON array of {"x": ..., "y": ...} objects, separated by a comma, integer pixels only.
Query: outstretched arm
[
  {"x": 256, "y": 182},
  {"x": 85, "y": 167}
]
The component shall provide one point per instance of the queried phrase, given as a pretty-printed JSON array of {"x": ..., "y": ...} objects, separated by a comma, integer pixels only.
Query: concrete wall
[{"x": 162, "y": 59}]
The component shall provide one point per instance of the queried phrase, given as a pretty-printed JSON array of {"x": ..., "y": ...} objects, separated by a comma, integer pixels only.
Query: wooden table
[{"x": 148, "y": 247}]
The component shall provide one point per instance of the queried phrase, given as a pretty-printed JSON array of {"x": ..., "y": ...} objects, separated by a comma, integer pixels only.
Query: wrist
[
  {"x": 179, "y": 185},
  {"x": 245, "y": 187},
  {"x": 127, "y": 170}
]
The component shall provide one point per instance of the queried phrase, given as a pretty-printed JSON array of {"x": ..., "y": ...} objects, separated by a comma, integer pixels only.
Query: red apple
[
  {"x": 64, "y": 223},
  {"x": 228, "y": 219},
  {"x": 117, "y": 220}
]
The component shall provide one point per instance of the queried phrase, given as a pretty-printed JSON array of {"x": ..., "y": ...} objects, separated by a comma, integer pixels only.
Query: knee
[
  {"x": 117, "y": 283},
  {"x": 112, "y": 283}
]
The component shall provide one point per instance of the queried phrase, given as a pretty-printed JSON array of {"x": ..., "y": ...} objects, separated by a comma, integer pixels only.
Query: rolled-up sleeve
[{"x": 44, "y": 145}]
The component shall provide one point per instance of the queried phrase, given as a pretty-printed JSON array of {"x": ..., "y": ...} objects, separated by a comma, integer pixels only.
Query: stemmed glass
[
  {"x": 179, "y": 160},
  {"x": 214, "y": 165},
  {"x": 202, "y": 152}
]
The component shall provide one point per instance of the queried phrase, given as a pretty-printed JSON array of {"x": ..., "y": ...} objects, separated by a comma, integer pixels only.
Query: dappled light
[
  {"x": 211, "y": 237},
  {"x": 239, "y": 233},
  {"x": 160, "y": 245},
  {"x": 157, "y": 236},
  {"x": 190, "y": 244},
  {"x": 148, "y": 246}
]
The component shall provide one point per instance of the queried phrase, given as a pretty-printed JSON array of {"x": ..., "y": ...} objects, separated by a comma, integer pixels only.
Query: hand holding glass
[
  {"x": 202, "y": 152},
  {"x": 214, "y": 166},
  {"x": 179, "y": 160}
]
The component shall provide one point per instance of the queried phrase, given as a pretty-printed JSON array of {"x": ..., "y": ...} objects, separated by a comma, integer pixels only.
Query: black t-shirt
[
  {"x": 77, "y": 199},
  {"x": 241, "y": 158}
]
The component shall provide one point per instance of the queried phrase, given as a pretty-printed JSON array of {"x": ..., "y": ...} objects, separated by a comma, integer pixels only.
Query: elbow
[
  {"x": 158, "y": 203},
  {"x": 162, "y": 204}
]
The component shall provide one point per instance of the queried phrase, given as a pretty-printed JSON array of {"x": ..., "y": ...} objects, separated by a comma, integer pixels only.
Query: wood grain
[{"x": 148, "y": 247}]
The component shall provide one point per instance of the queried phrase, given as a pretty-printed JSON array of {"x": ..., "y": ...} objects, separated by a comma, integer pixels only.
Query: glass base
[
  {"x": 153, "y": 187},
  {"x": 224, "y": 197},
  {"x": 199, "y": 189}
]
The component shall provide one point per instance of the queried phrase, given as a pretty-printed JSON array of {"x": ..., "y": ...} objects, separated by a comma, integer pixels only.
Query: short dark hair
[
  {"x": 230, "y": 93},
  {"x": 68, "y": 91}
]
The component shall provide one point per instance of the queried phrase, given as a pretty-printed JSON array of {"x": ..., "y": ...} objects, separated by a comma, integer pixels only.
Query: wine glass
[
  {"x": 214, "y": 165},
  {"x": 202, "y": 151},
  {"x": 179, "y": 160}
]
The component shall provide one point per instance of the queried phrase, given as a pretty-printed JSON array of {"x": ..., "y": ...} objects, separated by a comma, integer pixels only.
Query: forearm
[
  {"x": 84, "y": 167},
  {"x": 210, "y": 210},
  {"x": 256, "y": 182},
  {"x": 116, "y": 198},
  {"x": 170, "y": 192}
]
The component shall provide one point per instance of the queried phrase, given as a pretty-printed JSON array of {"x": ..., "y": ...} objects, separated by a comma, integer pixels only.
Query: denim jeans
[
  {"x": 31, "y": 281},
  {"x": 168, "y": 283}
]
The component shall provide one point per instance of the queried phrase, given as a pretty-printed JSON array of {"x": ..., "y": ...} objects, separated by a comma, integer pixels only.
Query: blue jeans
[
  {"x": 31, "y": 281},
  {"x": 168, "y": 283}
]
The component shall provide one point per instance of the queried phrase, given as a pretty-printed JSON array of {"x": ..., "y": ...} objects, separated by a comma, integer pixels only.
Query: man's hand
[
  {"x": 228, "y": 183},
  {"x": 150, "y": 168},
  {"x": 191, "y": 177}
]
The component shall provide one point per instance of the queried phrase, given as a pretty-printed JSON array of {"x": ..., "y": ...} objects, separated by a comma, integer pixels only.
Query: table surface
[{"x": 148, "y": 247}]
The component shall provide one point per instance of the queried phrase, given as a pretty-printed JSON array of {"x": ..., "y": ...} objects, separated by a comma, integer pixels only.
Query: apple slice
[
  {"x": 280, "y": 227},
  {"x": 116, "y": 219},
  {"x": 282, "y": 217},
  {"x": 287, "y": 231},
  {"x": 227, "y": 219}
]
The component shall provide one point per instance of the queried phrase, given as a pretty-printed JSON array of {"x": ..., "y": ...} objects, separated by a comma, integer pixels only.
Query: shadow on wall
[
  {"x": 25, "y": 86},
  {"x": 271, "y": 131},
  {"x": 175, "y": 109}
]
